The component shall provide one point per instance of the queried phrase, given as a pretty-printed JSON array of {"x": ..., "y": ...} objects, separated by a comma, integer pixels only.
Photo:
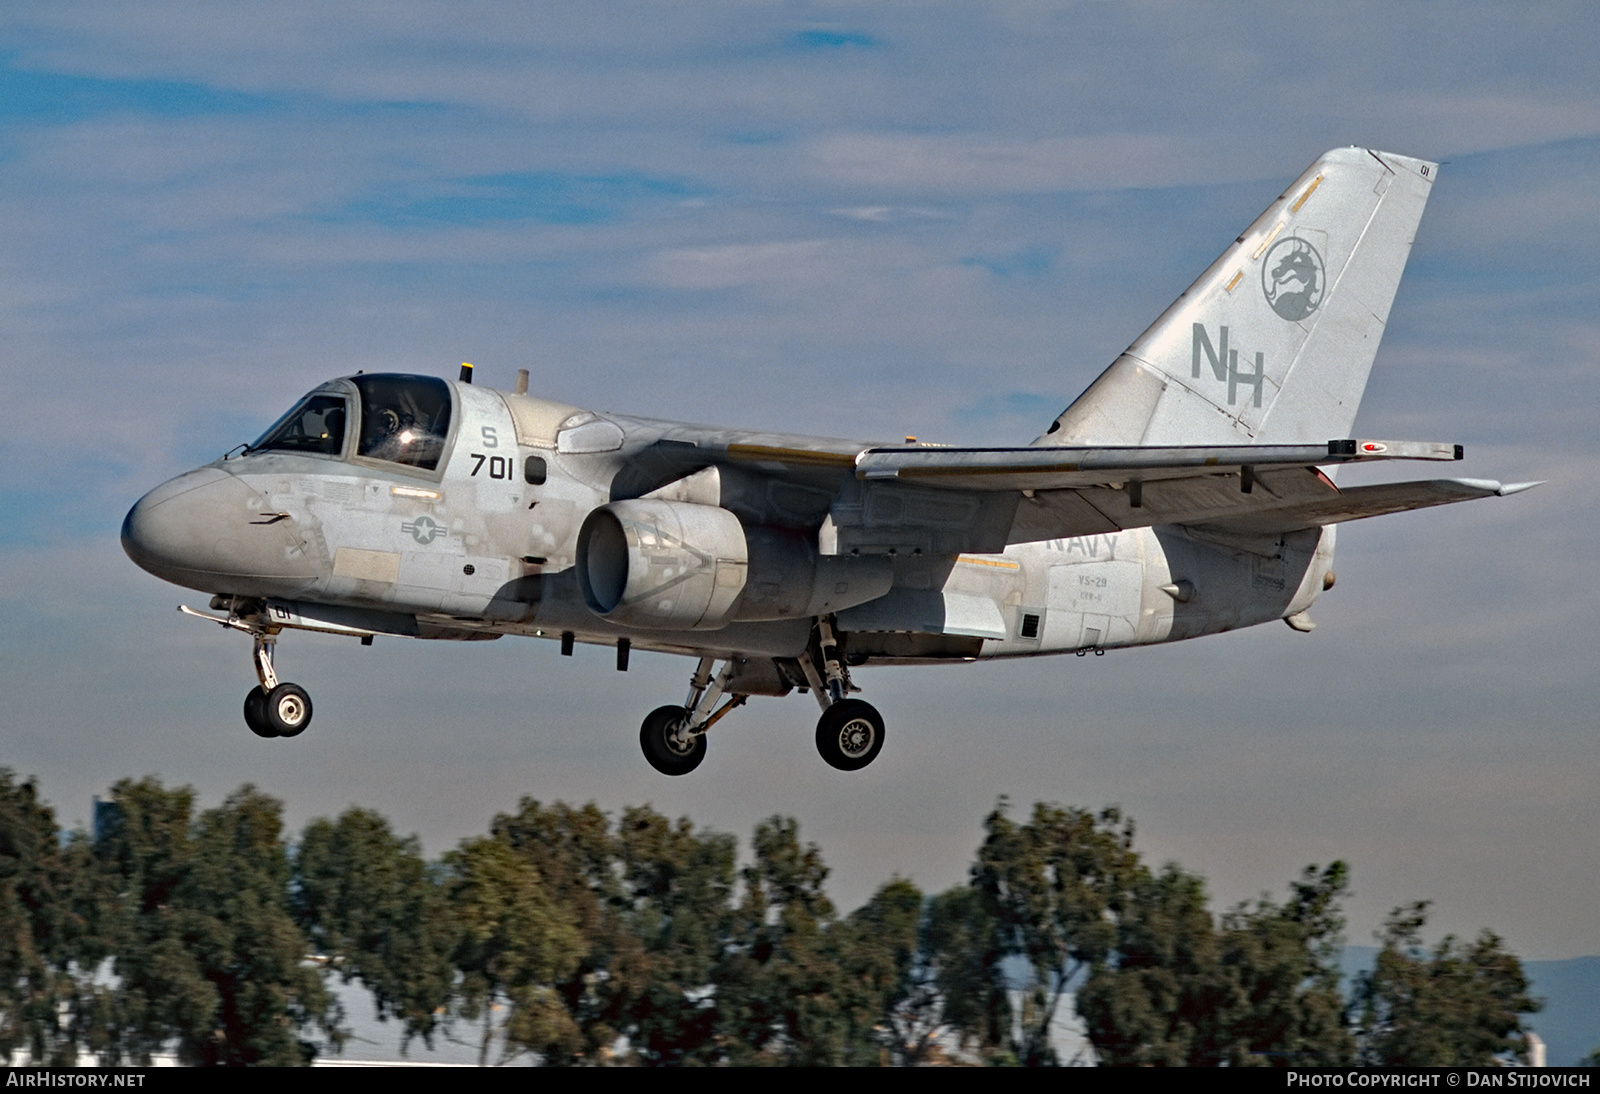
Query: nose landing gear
[{"x": 271, "y": 709}]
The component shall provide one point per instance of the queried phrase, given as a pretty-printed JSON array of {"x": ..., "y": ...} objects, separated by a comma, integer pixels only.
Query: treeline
[{"x": 576, "y": 939}]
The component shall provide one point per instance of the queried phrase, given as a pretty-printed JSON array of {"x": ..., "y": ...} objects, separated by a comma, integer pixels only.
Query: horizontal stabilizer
[
  {"x": 1279, "y": 500},
  {"x": 1359, "y": 502}
]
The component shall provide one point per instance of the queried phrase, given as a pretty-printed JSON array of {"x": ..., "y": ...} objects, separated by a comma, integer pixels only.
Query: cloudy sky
[{"x": 850, "y": 219}]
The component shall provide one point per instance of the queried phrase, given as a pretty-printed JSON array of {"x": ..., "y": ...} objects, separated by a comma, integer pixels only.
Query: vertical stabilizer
[{"x": 1273, "y": 344}]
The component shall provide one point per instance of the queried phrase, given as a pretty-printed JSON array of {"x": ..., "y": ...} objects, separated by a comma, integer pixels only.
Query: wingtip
[{"x": 1519, "y": 487}]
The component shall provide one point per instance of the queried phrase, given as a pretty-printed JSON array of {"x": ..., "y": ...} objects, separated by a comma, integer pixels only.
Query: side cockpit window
[
  {"x": 404, "y": 419},
  {"x": 316, "y": 424}
]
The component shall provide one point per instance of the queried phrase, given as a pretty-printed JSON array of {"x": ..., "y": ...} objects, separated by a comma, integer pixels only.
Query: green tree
[
  {"x": 1261, "y": 988},
  {"x": 575, "y": 857},
  {"x": 1160, "y": 998},
  {"x": 777, "y": 990},
  {"x": 372, "y": 906},
  {"x": 1456, "y": 1006},
  {"x": 143, "y": 851},
  {"x": 1282, "y": 966},
  {"x": 515, "y": 944},
  {"x": 48, "y": 1003},
  {"x": 879, "y": 979},
  {"x": 1051, "y": 888},
  {"x": 206, "y": 954},
  {"x": 651, "y": 902},
  {"x": 959, "y": 989},
  {"x": 678, "y": 910}
]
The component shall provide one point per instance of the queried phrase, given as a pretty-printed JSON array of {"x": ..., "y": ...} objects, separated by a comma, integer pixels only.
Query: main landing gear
[
  {"x": 272, "y": 708},
  {"x": 674, "y": 738},
  {"x": 849, "y": 733}
]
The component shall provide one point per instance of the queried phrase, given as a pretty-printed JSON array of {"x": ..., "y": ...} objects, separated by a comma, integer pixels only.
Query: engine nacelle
[
  {"x": 680, "y": 565},
  {"x": 670, "y": 565}
]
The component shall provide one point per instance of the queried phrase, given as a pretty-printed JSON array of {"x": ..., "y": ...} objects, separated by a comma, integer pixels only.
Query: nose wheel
[
  {"x": 285, "y": 711},
  {"x": 274, "y": 709},
  {"x": 255, "y": 713}
]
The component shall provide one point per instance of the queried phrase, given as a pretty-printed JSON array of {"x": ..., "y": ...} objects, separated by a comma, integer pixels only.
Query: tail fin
[{"x": 1274, "y": 343}]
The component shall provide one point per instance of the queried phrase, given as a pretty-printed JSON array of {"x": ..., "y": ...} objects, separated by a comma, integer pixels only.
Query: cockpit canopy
[
  {"x": 402, "y": 419},
  {"x": 316, "y": 424}
]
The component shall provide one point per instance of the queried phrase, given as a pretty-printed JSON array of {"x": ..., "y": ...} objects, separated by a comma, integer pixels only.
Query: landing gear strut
[
  {"x": 850, "y": 731},
  {"x": 271, "y": 709},
  {"x": 674, "y": 738}
]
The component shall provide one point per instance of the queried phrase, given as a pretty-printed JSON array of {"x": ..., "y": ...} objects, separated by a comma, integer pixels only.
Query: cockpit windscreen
[{"x": 316, "y": 424}]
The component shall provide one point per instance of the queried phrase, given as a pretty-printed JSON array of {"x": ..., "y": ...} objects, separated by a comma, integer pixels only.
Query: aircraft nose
[{"x": 204, "y": 530}]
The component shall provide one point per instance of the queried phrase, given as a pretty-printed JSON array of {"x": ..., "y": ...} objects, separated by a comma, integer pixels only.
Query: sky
[{"x": 849, "y": 219}]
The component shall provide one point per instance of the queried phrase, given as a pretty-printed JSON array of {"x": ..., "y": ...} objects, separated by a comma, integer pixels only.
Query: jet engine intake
[
  {"x": 678, "y": 565},
  {"x": 669, "y": 565}
]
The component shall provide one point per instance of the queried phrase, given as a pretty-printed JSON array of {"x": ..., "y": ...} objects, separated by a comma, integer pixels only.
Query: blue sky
[{"x": 850, "y": 219}]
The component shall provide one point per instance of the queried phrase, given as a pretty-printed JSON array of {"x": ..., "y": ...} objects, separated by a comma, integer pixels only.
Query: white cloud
[
  {"x": 971, "y": 163},
  {"x": 736, "y": 264}
]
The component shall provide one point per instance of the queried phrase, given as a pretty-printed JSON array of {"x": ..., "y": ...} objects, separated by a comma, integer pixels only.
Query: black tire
[
  {"x": 655, "y": 738},
  {"x": 850, "y": 734},
  {"x": 255, "y": 713},
  {"x": 288, "y": 710}
]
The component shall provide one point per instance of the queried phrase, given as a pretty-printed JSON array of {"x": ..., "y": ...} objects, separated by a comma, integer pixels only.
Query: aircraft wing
[
  {"x": 1057, "y": 468},
  {"x": 1066, "y": 492}
]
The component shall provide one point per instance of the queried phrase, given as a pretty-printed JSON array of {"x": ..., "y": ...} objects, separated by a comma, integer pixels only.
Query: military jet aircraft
[{"x": 1190, "y": 490}]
